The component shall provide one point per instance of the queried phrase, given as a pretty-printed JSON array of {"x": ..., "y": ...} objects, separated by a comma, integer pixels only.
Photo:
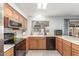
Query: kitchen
[{"x": 36, "y": 30}]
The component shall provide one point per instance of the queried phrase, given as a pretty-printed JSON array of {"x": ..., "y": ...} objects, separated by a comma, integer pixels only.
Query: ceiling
[{"x": 53, "y": 9}]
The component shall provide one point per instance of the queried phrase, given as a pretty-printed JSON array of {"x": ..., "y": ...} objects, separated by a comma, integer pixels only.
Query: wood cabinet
[
  {"x": 27, "y": 45},
  {"x": 37, "y": 43},
  {"x": 7, "y": 10},
  {"x": 21, "y": 45},
  {"x": 32, "y": 43},
  {"x": 14, "y": 15},
  {"x": 23, "y": 21},
  {"x": 75, "y": 50},
  {"x": 66, "y": 48},
  {"x": 59, "y": 45},
  {"x": 41, "y": 43},
  {"x": 9, "y": 52}
]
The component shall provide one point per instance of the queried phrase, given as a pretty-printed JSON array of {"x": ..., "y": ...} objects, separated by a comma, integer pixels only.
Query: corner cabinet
[{"x": 75, "y": 50}]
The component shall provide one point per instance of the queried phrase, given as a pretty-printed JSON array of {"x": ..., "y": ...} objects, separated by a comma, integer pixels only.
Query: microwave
[
  {"x": 58, "y": 32},
  {"x": 10, "y": 23}
]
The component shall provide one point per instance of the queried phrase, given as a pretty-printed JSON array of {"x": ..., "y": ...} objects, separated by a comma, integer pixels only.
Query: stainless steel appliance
[
  {"x": 58, "y": 32},
  {"x": 9, "y": 38},
  {"x": 11, "y": 23},
  {"x": 50, "y": 43}
]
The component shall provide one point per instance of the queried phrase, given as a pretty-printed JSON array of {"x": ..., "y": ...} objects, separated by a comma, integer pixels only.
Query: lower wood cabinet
[
  {"x": 26, "y": 45},
  {"x": 9, "y": 52},
  {"x": 75, "y": 50},
  {"x": 37, "y": 43},
  {"x": 66, "y": 48},
  {"x": 42, "y": 43},
  {"x": 32, "y": 43},
  {"x": 59, "y": 45},
  {"x": 21, "y": 45}
]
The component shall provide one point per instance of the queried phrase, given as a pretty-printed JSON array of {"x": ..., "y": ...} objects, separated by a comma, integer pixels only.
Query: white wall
[{"x": 54, "y": 23}]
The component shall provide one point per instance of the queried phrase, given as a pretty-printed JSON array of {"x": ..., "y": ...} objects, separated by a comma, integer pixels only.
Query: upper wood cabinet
[
  {"x": 15, "y": 15},
  {"x": 7, "y": 10},
  {"x": 66, "y": 48},
  {"x": 23, "y": 21},
  {"x": 75, "y": 50}
]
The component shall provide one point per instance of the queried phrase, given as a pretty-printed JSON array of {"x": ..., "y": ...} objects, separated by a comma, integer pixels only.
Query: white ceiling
[{"x": 53, "y": 9}]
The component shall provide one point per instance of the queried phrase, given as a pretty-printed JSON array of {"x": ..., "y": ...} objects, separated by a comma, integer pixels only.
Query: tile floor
[{"x": 43, "y": 53}]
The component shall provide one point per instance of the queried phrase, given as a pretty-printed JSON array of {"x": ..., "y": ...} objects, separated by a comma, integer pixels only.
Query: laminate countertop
[
  {"x": 38, "y": 36},
  {"x": 8, "y": 46},
  {"x": 71, "y": 39}
]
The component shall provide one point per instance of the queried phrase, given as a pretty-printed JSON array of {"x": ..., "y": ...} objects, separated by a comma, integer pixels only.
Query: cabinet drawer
[
  {"x": 9, "y": 52},
  {"x": 75, "y": 52},
  {"x": 74, "y": 46},
  {"x": 67, "y": 42}
]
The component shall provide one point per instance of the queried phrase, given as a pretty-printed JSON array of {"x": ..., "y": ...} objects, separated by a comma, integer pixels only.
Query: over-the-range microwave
[{"x": 10, "y": 23}]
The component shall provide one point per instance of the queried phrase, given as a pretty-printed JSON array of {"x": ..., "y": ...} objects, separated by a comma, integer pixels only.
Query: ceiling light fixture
[
  {"x": 39, "y": 5},
  {"x": 42, "y": 5}
]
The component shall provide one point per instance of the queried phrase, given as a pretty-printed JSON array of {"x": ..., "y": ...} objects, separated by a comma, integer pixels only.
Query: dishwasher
[{"x": 50, "y": 43}]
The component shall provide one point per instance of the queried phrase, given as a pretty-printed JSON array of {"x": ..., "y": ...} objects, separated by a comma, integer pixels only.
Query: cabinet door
[
  {"x": 23, "y": 21},
  {"x": 66, "y": 48},
  {"x": 59, "y": 45},
  {"x": 21, "y": 45},
  {"x": 9, "y": 52},
  {"x": 15, "y": 15},
  {"x": 42, "y": 43},
  {"x": 6, "y": 22},
  {"x": 7, "y": 10},
  {"x": 32, "y": 43},
  {"x": 26, "y": 45},
  {"x": 75, "y": 50}
]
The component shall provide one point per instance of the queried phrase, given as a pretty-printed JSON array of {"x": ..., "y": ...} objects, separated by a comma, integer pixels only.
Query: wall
[
  {"x": 1, "y": 22},
  {"x": 54, "y": 24}
]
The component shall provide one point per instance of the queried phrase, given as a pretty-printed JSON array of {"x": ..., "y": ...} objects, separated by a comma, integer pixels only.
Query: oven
[{"x": 9, "y": 38}]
